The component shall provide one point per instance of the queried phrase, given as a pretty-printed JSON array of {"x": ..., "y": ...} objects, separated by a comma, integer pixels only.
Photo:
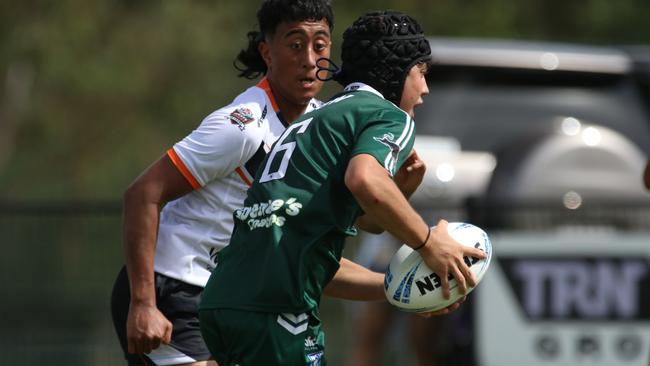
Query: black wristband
[{"x": 424, "y": 242}]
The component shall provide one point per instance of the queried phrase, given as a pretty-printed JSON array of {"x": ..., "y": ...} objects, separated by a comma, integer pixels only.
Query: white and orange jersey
[{"x": 219, "y": 159}]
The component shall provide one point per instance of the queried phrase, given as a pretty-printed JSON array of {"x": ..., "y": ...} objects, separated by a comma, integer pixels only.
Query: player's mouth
[{"x": 307, "y": 82}]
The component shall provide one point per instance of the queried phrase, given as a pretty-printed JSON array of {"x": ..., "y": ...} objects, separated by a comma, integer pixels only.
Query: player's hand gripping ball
[{"x": 412, "y": 286}]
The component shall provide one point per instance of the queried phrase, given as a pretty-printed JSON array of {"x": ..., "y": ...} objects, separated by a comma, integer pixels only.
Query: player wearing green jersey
[{"x": 260, "y": 306}]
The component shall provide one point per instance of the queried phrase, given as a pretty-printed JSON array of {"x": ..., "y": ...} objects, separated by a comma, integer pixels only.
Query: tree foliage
[{"x": 91, "y": 92}]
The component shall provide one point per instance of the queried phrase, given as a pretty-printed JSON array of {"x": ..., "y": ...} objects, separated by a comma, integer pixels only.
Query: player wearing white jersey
[
  {"x": 219, "y": 159},
  {"x": 202, "y": 179}
]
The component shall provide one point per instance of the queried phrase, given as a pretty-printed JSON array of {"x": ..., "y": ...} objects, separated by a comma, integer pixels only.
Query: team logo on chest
[{"x": 241, "y": 117}]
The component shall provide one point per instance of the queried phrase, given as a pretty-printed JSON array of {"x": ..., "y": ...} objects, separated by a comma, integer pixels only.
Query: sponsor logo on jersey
[
  {"x": 241, "y": 117},
  {"x": 264, "y": 112},
  {"x": 314, "y": 351},
  {"x": 389, "y": 140},
  {"x": 311, "y": 345},
  {"x": 353, "y": 87},
  {"x": 315, "y": 358},
  {"x": 267, "y": 214}
]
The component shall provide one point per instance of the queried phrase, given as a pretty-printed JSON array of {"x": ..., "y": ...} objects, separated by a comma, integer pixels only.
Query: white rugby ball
[{"x": 412, "y": 286}]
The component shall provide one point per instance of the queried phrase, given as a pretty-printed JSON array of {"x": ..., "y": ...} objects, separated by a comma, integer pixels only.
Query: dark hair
[
  {"x": 273, "y": 12},
  {"x": 379, "y": 49}
]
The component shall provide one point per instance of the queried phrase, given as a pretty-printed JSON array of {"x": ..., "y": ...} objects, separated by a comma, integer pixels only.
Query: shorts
[
  {"x": 179, "y": 302},
  {"x": 246, "y": 338}
]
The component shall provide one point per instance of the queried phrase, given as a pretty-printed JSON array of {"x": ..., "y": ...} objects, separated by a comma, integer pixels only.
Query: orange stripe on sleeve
[
  {"x": 182, "y": 168},
  {"x": 264, "y": 85}
]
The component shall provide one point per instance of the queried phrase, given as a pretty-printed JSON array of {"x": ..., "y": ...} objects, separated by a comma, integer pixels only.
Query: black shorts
[{"x": 179, "y": 302}]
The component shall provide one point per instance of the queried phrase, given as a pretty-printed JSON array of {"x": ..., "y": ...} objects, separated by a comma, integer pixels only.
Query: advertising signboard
[{"x": 565, "y": 299}]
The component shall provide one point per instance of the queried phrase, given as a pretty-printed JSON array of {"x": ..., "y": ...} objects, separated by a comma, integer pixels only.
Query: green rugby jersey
[{"x": 288, "y": 238}]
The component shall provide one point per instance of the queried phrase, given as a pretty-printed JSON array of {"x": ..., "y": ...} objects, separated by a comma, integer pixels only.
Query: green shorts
[{"x": 246, "y": 338}]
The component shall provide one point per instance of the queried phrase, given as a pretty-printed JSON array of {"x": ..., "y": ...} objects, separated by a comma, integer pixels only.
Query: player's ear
[{"x": 265, "y": 52}]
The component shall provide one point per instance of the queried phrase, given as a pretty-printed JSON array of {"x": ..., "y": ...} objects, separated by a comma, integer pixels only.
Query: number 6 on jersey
[{"x": 286, "y": 148}]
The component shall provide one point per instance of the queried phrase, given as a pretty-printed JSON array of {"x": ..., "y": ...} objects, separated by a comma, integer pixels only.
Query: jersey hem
[{"x": 198, "y": 281}]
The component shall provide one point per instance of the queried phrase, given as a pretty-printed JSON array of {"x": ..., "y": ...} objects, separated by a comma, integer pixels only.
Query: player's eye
[
  {"x": 424, "y": 69},
  {"x": 295, "y": 45},
  {"x": 320, "y": 46}
]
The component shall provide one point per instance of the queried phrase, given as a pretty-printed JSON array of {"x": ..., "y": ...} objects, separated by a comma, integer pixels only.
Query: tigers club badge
[{"x": 241, "y": 117}]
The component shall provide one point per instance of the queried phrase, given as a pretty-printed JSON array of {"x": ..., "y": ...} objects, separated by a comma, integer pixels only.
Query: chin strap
[{"x": 328, "y": 66}]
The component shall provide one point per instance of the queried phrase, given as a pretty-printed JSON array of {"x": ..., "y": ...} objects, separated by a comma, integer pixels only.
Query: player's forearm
[
  {"x": 383, "y": 202},
  {"x": 160, "y": 183},
  {"x": 366, "y": 224},
  {"x": 355, "y": 282},
  {"x": 140, "y": 226}
]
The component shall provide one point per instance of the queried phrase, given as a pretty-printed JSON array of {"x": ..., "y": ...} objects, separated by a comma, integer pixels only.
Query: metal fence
[
  {"x": 57, "y": 266},
  {"x": 59, "y": 261}
]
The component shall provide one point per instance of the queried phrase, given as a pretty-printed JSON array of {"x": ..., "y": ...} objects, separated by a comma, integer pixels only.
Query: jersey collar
[
  {"x": 264, "y": 85},
  {"x": 364, "y": 87}
]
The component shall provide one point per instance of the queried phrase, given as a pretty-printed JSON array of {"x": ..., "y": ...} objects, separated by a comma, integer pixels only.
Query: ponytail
[{"x": 249, "y": 61}]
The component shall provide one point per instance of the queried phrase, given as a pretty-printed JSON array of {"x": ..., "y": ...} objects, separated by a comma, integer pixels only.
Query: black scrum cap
[{"x": 379, "y": 49}]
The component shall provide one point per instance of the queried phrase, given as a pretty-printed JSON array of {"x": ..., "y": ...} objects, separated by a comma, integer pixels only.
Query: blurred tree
[{"x": 91, "y": 92}]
